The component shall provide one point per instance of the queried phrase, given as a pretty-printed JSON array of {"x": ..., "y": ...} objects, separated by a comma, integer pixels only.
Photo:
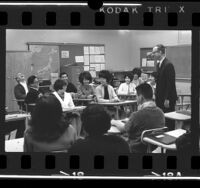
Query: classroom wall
[
  {"x": 117, "y": 44},
  {"x": 146, "y": 39}
]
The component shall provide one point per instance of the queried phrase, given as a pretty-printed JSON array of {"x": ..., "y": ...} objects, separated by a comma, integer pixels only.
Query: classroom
[{"x": 114, "y": 76}]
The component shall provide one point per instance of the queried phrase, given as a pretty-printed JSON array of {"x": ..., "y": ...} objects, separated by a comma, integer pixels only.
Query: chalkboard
[{"x": 180, "y": 56}]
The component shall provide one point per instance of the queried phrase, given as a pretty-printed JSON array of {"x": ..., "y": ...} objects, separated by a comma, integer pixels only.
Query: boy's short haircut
[
  {"x": 145, "y": 90},
  {"x": 95, "y": 120}
]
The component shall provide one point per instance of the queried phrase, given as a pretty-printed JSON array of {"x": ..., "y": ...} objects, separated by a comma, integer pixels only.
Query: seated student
[
  {"x": 85, "y": 91},
  {"x": 96, "y": 123},
  {"x": 48, "y": 130},
  {"x": 148, "y": 116},
  {"x": 127, "y": 87},
  {"x": 105, "y": 92},
  {"x": 152, "y": 82},
  {"x": 71, "y": 88},
  {"x": 136, "y": 76},
  {"x": 21, "y": 90},
  {"x": 61, "y": 94},
  {"x": 34, "y": 94},
  {"x": 67, "y": 102}
]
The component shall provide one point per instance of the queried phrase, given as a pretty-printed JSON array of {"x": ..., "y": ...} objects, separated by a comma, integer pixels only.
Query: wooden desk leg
[{"x": 178, "y": 124}]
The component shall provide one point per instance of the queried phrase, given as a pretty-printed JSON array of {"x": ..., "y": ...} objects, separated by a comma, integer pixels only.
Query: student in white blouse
[
  {"x": 61, "y": 94},
  {"x": 128, "y": 87},
  {"x": 66, "y": 101},
  {"x": 105, "y": 92}
]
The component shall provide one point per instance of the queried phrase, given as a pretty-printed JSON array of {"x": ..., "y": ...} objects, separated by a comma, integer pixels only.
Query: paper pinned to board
[
  {"x": 64, "y": 54},
  {"x": 150, "y": 63},
  {"x": 93, "y": 73},
  {"x": 96, "y": 50},
  {"x": 103, "y": 67},
  {"x": 86, "y": 50},
  {"x": 176, "y": 133},
  {"x": 86, "y": 68},
  {"x": 79, "y": 59},
  {"x": 92, "y": 50},
  {"x": 86, "y": 60},
  {"x": 144, "y": 62}
]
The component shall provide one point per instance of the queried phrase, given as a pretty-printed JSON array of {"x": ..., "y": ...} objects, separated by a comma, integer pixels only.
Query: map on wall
[{"x": 45, "y": 60}]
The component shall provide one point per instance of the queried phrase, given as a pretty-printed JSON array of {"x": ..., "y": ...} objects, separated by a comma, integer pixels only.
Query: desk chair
[{"x": 150, "y": 148}]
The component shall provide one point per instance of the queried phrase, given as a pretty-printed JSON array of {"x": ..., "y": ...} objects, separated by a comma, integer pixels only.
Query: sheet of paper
[
  {"x": 101, "y": 49},
  {"x": 150, "y": 63},
  {"x": 86, "y": 50},
  {"x": 79, "y": 59},
  {"x": 92, "y": 50},
  {"x": 86, "y": 68},
  {"x": 144, "y": 62},
  {"x": 99, "y": 59},
  {"x": 64, "y": 54},
  {"x": 54, "y": 77},
  {"x": 98, "y": 67},
  {"x": 103, "y": 66},
  {"x": 97, "y": 50},
  {"x": 92, "y": 58},
  {"x": 176, "y": 133},
  {"x": 86, "y": 60}
]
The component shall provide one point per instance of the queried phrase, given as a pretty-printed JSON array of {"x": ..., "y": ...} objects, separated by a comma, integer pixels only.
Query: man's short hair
[
  {"x": 145, "y": 90},
  {"x": 95, "y": 120},
  {"x": 59, "y": 84},
  {"x": 62, "y": 73},
  {"x": 161, "y": 48},
  {"x": 31, "y": 80}
]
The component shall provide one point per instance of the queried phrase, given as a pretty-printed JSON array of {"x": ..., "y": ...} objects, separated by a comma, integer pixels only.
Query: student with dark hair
[
  {"x": 85, "y": 90},
  {"x": 148, "y": 116},
  {"x": 71, "y": 88},
  {"x": 136, "y": 76},
  {"x": 96, "y": 123},
  {"x": 33, "y": 94},
  {"x": 61, "y": 94},
  {"x": 105, "y": 92},
  {"x": 48, "y": 130},
  {"x": 127, "y": 87}
]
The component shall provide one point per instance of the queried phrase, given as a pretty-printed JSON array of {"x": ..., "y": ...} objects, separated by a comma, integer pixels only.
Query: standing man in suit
[
  {"x": 166, "y": 94},
  {"x": 21, "y": 90}
]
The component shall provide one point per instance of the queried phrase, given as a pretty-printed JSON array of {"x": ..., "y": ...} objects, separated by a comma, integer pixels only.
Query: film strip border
[
  {"x": 165, "y": 15},
  {"x": 150, "y": 16},
  {"x": 100, "y": 165}
]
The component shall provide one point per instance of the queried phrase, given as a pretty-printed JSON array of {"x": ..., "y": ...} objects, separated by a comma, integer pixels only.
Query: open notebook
[{"x": 167, "y": 137}]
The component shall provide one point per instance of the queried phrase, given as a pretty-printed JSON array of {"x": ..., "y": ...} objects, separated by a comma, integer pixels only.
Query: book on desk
[{"x": 167, "y": 137}]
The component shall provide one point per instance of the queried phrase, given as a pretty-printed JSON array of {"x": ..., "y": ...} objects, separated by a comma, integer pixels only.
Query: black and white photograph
[{"x": 98, "y": 91}]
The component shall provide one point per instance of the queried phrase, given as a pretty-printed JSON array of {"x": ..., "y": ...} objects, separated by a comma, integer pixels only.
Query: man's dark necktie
[{"x": 106, "y": 95}]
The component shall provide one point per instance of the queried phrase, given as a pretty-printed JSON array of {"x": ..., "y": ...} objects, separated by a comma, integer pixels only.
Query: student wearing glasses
[{"x": 34, "y": 93}]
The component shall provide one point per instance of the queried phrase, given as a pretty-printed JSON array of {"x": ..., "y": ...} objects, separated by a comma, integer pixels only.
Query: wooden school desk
[
  {"x": 178, "y": 117},
  {"x": 14, "y": 145},
  {"x": 175, "y": 133},
  {"x": 16, "y": 122},
  {"x": 117, "y": 105}
]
